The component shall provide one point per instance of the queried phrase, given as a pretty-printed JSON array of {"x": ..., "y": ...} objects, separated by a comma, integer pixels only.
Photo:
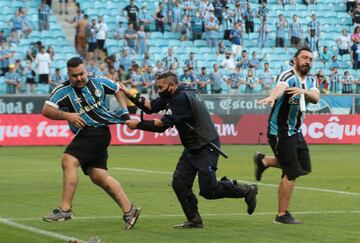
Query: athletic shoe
[
  {"x": 189, "y": 225},
  {"x": 287, "y": 218},
  {"x": 131, "y": 217},
  {"x": 58, "y": 215},
  {"x": 250, "y": 198},
  {"x": 259, "y": 166}
]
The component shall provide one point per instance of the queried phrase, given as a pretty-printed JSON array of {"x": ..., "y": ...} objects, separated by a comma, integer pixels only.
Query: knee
[
  {"x": 69, "y": 162},
  {"x": 178, "y": 184},
  {"x": 97, "y": 179},
  {"x": 208, "y": 194}
]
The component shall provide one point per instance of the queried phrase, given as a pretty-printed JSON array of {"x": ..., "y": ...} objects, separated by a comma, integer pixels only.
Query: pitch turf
[{"x": 31, "y": 183}]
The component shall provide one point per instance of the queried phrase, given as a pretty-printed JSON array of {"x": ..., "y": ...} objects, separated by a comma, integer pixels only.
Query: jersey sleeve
[
  {"x": 57, "y": 96},
  {"x": 287, "y": 78},
  {"x": 110, "y": 87}
]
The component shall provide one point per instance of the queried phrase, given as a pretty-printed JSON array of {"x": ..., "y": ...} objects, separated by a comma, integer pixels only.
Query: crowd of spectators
[{"x": 236, "y": 70}]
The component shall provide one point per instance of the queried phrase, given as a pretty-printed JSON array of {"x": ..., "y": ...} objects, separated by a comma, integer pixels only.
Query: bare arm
[
  {"x": 56, "y": 114},
  {"x": 277, "y": 92}
]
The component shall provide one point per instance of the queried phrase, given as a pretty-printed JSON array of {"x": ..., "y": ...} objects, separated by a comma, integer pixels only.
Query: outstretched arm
[
  {"x": 277, "y": 92},
  {"x": 155, "y": 125},
  {"x": 56, "y": 114},
  {"x": 139, "y": 101}
]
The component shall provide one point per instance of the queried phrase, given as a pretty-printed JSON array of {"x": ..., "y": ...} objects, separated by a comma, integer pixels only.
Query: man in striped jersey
[
  {"x": 80, "y": 101},
  {"x": 287, "y": 100}
]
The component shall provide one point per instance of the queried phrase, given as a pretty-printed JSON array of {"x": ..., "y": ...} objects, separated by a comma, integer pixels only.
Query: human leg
[
  {"x": 70, "y": 179},
  {"x": 182, "y": 183}
]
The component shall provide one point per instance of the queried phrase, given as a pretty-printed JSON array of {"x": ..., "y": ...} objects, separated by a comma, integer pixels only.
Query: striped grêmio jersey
[
  {"x": 89, "y": 101},
  {"x": 286, "y": 116}
]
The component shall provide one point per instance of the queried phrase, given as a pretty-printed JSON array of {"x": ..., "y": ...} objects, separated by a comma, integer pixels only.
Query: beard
[{"x": 304, "y": 69}]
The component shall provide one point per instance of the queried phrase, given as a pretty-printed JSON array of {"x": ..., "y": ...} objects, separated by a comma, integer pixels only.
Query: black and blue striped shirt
[{"x": 89, "y": 101}]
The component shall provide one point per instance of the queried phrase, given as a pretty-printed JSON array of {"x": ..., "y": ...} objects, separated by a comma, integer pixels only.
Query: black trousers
[
  {"x": 249, "y": 27},
  {"x": 202, "y": 162}
]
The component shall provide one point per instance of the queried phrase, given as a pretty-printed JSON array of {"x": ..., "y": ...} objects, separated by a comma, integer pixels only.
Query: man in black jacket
[{"x": 186, "y": 110}]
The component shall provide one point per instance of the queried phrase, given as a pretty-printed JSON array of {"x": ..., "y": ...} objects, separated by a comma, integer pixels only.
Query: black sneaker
[
  {"x": 131, "y": 217},
  {"x": 259, "y": 166},
  {"x": 287, "y": 218},
  {"x": 250, "y": 198},
  {"x": 189, "y": 225}
]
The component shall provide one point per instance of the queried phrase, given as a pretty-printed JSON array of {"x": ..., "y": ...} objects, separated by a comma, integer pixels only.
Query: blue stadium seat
[{"x": 42, "y": 89}]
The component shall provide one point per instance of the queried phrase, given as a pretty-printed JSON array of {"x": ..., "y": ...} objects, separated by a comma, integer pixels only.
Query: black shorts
[
  {"x": 293, "y": 155},
  {"x": 90, "y": 147},
  {"x": 43, "y": 78},
  {"x": 100, "y": 44},
  {"x": 92, "y": 46}
]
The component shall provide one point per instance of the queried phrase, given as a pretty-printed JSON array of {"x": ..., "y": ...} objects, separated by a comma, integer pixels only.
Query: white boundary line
[
  {"x": 36, "y": 230},
  {"x": 203, "y": 214},
  {"x": 258, "y": 183}
]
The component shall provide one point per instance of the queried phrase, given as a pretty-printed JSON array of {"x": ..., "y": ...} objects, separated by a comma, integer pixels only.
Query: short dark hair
[
  {"x": 169, "y": 76},
  {"x": 74, "y": 62},
  {"x": 297, "y": 53}
]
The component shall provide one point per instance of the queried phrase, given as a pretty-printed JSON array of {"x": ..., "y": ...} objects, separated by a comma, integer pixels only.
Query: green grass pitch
[{"x": 328, "y": 200}]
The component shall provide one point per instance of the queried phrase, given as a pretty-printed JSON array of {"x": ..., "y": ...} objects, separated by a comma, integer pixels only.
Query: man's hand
[
  {"x": 124, "y": 89},
  {"x": 267, "y": 101},
  {"x": 75, "y": 119},
  {"x": 294, "y": 91},
  {"x": 132, "y": 123}
]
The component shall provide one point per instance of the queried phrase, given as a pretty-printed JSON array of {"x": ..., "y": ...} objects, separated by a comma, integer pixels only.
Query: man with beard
[
  {"x": 287, "y": 100},
  {"x": 186, "y": 110}
]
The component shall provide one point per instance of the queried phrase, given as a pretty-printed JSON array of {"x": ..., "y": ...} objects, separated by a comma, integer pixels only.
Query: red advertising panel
[{"x": 240, "y": 129}]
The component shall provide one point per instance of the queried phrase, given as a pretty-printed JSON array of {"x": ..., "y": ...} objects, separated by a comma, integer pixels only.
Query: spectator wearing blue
[
  {"x": 296, "y": 32},
  {"x": 142, "y": 41},
  {"x": 227, "y": 21},
  {"x": 203, "y": 80},
  {"x": 5, "y": 56},
  {"x": 189, "y": 7},
  {"x": 286, "y": 2},
  {"x": 254, "y": 61},
  {"x": 44, "y": 12},
  {"x": 176, "y": 14},
  {"x": 192, "y": 62},
  {"x": 221, "y": 48},
  {"x": 250, "y": 81},
  {"x": 91, "y": 40},
  {"x": 249, "y": 15},
  {"x": 281, "y": 25},
  {"x": 243, "y": 60},
  {"x": 132, "y": 12},
  {"x": 2, "y": 36},
  {"x": 343, "y": 43},
  {"x": 211, "y": 27},
  {"x": 313, "y": 43},
  {"x": 147, "y": 60},
  {"x": 314, "y": 25},
  {"x": 357, "y": 83},
  {"x": 124, "y": 60},
  {"x": 170, "y": 59},
  {"x": 334, "y": 80},
  {"x": 29, "y": 74},
  {"x": 197, "y": 26},
  {"x": 13, "y": 81},
  {"x": 347, "y": 82},
  {"x": 16, "y": 23},
  {"x": 325, "y": 55},
  {"x": 266, "y": 79},
  {"x": 149, "y": 80},
  {"x": 119, "y": 33},
  {"x": 56, "y": 78},
  {"x": 145, "y": 18},
  {"x": 216, "y": 80},
  {"x": 92, "y": 69},
  {"x": 238, "y": 12},
  {"x": 218, "y": 10},
  {"x": 185, "y": 28},
  {"x": 186, "y": 79},
  {"x": 263, "y": 34},
  {"x": 160, "y": 17},
  {"x": 235, "y": 79},
  {"x": 355, "y": 50},
  {"x": 263, "y": 11},
  {"x": 131, "y": 36},
  {"x": 334, "y": 63}
]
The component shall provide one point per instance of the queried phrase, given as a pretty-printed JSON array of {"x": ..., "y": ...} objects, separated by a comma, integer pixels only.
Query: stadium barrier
[
  {"x": 216, "y": 104},
  {"x": 34, "y": 129}
]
